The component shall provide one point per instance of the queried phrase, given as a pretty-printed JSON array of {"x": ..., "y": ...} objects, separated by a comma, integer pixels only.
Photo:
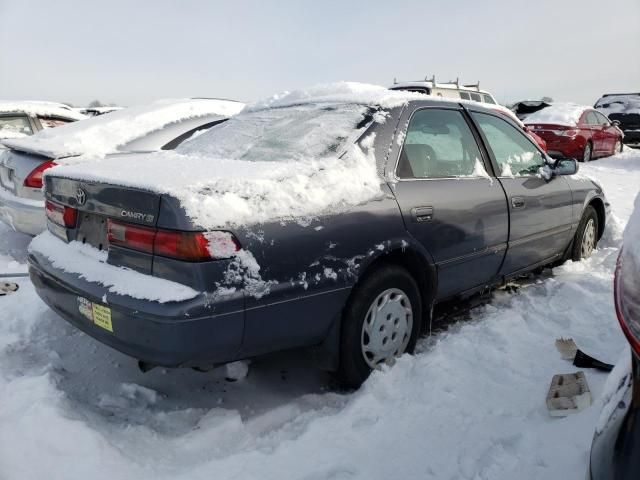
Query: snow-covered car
[
  {"x": 20, "y": 119},
  {"x": 615, "y": 452},
  {"x": 623, "y": 108},
  {"x": 575, "y": 131},
  {"x": 333, "y": 218},
  {"x": 161, "y": 125}
]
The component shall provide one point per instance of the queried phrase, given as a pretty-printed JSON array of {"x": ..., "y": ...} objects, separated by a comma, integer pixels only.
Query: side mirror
[
  {"x": 565, "y": 166},
  {"x": 615, "y": 123}
]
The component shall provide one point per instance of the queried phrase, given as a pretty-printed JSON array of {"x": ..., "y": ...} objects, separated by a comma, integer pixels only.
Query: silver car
[{"x": 162, "y": 125}]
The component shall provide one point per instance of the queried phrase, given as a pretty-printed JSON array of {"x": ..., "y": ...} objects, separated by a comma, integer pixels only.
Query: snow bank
[
  {"x": 91, "y": 264},
  {"x": 566, "y": 114},
  {"x": 101, "y": 135},
  {"x": 40, "y": 108}
]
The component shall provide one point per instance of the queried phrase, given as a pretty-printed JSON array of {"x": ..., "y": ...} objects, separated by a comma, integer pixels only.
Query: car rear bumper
[
  {"x": 195, "y": 332},
  {"x": 23, "y": 215}
]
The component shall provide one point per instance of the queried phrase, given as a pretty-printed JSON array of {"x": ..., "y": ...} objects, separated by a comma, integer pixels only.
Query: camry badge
[{"x": 81, "y": 196}]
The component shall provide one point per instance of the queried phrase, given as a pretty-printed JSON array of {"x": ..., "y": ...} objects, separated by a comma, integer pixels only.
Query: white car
[
  {"x": 162, "y": 125},
  {"x": 451, "y": 90},
  {"x": 20, "y": 119}
]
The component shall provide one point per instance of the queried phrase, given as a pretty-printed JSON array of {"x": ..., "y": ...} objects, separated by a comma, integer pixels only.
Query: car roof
[{"x": 34, "y": 108}]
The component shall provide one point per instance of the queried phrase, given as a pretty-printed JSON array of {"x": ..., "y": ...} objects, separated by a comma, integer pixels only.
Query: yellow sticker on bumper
[{"x": 102, "y": 316}]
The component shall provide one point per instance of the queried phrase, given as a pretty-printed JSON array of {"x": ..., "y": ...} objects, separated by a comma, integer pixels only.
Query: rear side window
[
  {"x": 14, "y": 126},
  {"x": 475, "y": 97},
  {"x": 514, "y": 152},
  {"x": 591, "y": 119},
  {"x": 52, "y": 122},
  {"x": 439, "y": 144},
  {"x": 465, "y": 96}
]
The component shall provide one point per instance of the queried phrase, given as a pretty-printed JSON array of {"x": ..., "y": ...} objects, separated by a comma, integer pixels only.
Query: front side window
[
  {"x": 439, "y": 144},
  {"x": 514, "y": 152},
  {"x": 14, "y": 126}
]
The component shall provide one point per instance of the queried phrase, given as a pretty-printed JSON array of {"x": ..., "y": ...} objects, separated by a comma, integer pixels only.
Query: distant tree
[
  {"x": 96, "y": 103},
  {"x": 547, "y": 99}
]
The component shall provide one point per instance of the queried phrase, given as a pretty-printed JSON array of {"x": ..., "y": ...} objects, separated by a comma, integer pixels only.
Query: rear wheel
[
  {"x": 587, "y": 153},
  {"x": 586, "y": 239},
  {"x": 380, "y": 322}
]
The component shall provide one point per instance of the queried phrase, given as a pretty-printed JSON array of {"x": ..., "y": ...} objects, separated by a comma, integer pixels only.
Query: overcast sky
[{"x": 131, "y": 52}]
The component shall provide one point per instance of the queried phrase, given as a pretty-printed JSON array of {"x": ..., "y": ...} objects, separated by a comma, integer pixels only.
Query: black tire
[
  {"x": 587, "y": 157},
  {"x": 353, "y": 369},
  {"x": 621, "y": 147},
  {"x": 589, "y": 214}
]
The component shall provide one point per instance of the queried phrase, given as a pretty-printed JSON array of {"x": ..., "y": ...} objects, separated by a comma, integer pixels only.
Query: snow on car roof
[
  {"x": 102, "y": 135},
  {"x": 567, "y": 114},
  {"x": 622, "y": 103},
  {"x": 340, "y": 92},
  {"x": 33, "y": 107}
]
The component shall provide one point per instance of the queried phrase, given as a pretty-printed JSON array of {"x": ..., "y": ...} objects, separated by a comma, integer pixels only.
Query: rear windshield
[
  {"x": 14, "y": 126},
  {"x": 283, "y": 134}
]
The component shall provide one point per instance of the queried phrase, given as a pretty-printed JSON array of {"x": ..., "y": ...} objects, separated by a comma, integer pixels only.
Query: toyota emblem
[{"x": 81, "y": 196}]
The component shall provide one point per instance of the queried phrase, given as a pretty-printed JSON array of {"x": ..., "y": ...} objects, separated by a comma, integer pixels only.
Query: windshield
[{"x": 283, "y": 134}]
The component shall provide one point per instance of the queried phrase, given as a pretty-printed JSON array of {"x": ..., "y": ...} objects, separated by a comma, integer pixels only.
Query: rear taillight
[
  {"x": 189, "y": 246},
  {"x": 571, "y": 132},
  {"x": 61, "y": 214},
  {"x": 34, "y": 179},
  {"x": 131, "y": 236},
  {"x": 627, "y": 303}
]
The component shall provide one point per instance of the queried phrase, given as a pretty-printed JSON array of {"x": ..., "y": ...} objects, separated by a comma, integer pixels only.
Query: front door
[
  {"x": 540, "y": 205},
  {"x": 448, "y": 201}
]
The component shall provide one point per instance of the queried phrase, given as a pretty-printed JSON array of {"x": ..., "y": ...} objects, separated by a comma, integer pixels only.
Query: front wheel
[
  {"x": 586, "y": 239},
  {"x": 380, "y": 322}
]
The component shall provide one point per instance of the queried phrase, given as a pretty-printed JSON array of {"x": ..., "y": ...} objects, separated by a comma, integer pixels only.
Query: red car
[{"x": 575, "y": 131}]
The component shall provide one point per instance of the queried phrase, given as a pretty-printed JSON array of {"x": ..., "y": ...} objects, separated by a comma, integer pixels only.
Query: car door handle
[
  {"x": 421, "y": 214},
  {"x": 517, "y": 202}
]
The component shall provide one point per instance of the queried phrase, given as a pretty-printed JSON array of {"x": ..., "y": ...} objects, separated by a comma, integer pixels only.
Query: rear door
[
  {"x": 540, "y": 208},
  {"x": 448, "y": 201},
  {"x": 592, "y": 124},
  {"x": 609, "y": 133}
]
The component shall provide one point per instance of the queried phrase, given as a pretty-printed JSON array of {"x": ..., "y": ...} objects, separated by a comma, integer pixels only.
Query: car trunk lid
[{"x": 96, "y": 203}]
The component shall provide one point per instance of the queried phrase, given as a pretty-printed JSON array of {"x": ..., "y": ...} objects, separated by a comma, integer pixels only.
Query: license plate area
[
  {"x": 97, "y": 314},
  {"x": 7, "y": 178},
  {"x": 92, "y": 229}
]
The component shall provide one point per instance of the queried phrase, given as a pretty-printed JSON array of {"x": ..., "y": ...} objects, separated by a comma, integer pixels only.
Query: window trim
[
  {"x": 472, "y": 128},
  {"x": 492, "y": 156}
]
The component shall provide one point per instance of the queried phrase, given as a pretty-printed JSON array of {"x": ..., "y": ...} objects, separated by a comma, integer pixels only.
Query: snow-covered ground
[{"x": 469, "y": 405}]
